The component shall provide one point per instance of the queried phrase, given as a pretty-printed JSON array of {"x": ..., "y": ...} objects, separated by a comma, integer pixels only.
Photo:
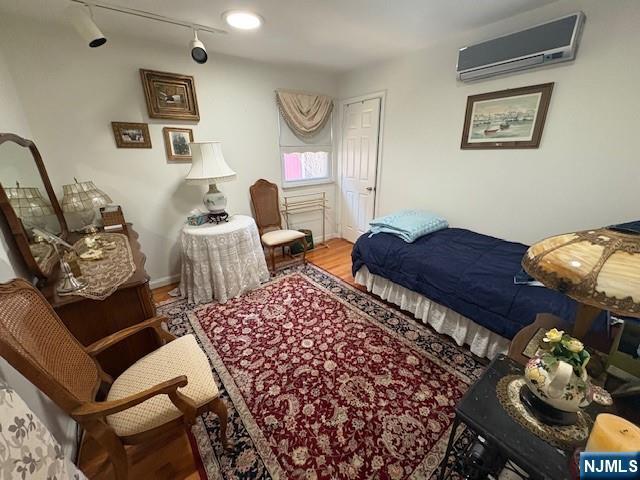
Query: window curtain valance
[{"x": 305, "y": 113}]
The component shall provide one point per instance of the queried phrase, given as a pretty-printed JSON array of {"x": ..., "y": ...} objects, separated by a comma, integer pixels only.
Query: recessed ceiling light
[{"x": 242, "y": 20}]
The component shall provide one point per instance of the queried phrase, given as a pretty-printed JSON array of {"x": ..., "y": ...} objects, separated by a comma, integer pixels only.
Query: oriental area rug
[{"x": 323, "y": 381}]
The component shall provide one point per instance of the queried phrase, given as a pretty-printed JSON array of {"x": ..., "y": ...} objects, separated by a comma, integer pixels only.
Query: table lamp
[
  {"x": 84, "y": 199},
  {"x": 209, "y": 167},
  {"x": 32, "y": 208},
  {"x": 598, "y": 268}
]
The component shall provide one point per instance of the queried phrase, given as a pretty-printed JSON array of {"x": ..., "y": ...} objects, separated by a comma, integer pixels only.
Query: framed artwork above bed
[{"x": 512, "y": 118}]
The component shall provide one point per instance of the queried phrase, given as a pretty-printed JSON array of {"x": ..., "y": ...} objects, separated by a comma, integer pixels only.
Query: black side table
[{"x": 480, "y": 410}]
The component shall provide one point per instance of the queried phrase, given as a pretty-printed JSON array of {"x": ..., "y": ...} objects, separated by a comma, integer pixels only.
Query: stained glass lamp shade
[
  {"x": 84, "y": 199},
  {"x": 32, "y": 208},
  {"x": 598, "y": 268}
]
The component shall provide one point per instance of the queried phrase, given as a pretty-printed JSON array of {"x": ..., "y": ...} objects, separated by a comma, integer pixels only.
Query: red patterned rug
[{"x": 323, "y": 381}]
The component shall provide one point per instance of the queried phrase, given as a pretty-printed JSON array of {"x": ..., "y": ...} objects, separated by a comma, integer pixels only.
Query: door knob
[{"x": 370, "y": 189}]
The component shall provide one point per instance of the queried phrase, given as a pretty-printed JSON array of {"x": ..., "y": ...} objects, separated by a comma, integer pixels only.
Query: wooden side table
[{"x": 221, "y": 261}]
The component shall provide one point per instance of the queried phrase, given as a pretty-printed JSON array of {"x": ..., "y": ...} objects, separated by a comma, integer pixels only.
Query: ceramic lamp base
[
  {"x": 214, "y": 200},
  {"x": 544, "y": 412}
]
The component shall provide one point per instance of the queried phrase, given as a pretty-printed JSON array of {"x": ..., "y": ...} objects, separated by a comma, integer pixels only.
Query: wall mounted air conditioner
[{"x": 547, "y": 43}]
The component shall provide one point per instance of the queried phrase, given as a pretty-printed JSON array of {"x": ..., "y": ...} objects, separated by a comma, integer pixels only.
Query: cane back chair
[
  {"x": 162, "y": 392},
  {"x": 266, "y": 208}
]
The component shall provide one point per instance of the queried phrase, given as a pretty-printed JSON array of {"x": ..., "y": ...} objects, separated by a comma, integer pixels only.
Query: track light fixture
[
  {"x": 82, "y": 19},
  {"x": 198, "y": 52}
]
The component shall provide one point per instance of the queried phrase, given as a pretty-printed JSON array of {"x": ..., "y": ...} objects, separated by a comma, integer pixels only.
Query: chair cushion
[
  {"x": 280, "y": 237},
  {"x": 182, "y": 356}
]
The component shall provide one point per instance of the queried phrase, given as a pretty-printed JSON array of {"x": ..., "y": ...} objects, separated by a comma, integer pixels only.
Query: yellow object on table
[{"x": 613, "y": 434}]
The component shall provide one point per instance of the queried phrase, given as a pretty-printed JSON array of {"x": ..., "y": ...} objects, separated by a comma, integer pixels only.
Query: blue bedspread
[{"x": 466, "y": 271}]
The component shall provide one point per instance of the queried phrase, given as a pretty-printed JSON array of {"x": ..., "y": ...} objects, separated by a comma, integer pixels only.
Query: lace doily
[
  {"x": 104, "y": 276},
  {"x": 565, "y": 437}
]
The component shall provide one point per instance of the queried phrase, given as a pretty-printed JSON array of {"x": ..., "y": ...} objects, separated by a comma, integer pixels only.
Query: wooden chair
[
  {"x": 163, "y": 391},
  {"x": 266, "y": 208}
]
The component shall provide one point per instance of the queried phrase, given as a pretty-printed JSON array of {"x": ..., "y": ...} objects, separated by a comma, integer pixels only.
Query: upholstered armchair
[
  {"x": 163, "y": 391},
  {"x": 266, "y": 208}
]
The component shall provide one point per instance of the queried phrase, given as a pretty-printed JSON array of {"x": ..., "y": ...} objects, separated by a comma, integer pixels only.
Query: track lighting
[
  {"x": 198, "y": 52},
  {"x": 82, "y": 19}
]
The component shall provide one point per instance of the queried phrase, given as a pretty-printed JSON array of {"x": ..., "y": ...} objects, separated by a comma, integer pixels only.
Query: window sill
[{"x": 312, "y": 183}]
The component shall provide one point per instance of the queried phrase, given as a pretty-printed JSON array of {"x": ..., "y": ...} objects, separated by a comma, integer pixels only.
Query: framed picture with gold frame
[
  {"x": 511, "y": 118},
  {"x": 131, "y": 135},
  {"x": 176, "y": 143},
  {"x": 170, "y": 95}
]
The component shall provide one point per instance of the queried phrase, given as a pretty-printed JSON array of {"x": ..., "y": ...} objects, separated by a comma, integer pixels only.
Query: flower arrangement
[{"x": 561, "y": 346}]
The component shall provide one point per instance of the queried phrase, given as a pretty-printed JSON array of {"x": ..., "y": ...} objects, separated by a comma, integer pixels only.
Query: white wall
[
  {"x": 71, "y": 94},
  {"x": 13, "y": 119},
  {"x": 586, "y": 172}
]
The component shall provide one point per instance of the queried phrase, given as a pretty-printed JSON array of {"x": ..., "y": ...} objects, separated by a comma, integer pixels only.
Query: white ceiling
[{"x": 334, "y": 34}]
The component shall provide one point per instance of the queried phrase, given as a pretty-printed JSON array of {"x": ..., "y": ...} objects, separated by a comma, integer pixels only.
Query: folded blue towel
[{"x": 409, "y": 225}]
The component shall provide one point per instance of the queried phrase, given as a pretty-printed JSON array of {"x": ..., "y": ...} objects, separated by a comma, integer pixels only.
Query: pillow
[
  {"x": 27, "y": 448},
  {"x": 409, "y": 225}
]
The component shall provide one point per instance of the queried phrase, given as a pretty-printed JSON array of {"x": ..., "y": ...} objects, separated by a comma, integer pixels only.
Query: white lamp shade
[{"x": 208, "y": 165}]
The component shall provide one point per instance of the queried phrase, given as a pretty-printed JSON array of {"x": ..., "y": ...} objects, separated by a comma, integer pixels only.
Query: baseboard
[
  {"x": 164, "y": 281},
  {"x": 328, "y": 236}
]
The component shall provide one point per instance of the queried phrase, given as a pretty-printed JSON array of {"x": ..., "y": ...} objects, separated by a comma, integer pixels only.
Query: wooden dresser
[{"x": 90, "y": 320}]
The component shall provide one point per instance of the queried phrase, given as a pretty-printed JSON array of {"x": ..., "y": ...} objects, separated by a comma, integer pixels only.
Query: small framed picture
[
  {"x": 511, "y": 118},
  {"x": 170, "y": 95},
  {"x": 176, "y": 142},
  {"x": 131, "y": 135}
]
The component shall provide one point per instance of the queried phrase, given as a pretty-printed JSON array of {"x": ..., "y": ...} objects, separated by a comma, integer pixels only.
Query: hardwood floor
[
  {"x": 336, "y": 260},
  {"x": 173, "y": 458}
]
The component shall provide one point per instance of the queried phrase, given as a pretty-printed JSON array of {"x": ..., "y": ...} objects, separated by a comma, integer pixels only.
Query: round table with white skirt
[{"x": 221, "y": 261}]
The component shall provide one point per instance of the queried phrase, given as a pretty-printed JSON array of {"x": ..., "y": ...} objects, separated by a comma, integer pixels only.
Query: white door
[{"x": 359, "y": 162}]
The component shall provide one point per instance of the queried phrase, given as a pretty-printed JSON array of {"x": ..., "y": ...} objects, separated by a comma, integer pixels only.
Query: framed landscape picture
[
  {"x": 131, "y": 135},
  {"x": 511, "y": 118},
  {"x": 170, "y": 95},
  {"x": 176, "y": 142}
]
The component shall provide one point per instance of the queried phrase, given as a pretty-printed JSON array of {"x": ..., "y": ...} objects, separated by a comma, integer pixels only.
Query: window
[
  {"x": 308, "y": 161},
  {"x": 303, "y": 165}
]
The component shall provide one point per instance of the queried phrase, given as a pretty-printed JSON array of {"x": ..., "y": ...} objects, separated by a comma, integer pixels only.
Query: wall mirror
[{"x": 28, "y": 202}]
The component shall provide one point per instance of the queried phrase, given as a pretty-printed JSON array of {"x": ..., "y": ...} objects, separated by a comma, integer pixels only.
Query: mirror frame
[{"x": 15, "y": 224}]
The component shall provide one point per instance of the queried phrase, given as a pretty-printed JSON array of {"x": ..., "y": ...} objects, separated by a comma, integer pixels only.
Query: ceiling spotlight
[
  {"x": 82, "y": 19},
  {"x": 242, "y": 20},
  {"x": 198, "y": 52}
]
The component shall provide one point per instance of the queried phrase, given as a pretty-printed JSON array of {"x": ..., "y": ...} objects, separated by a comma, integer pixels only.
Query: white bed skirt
[{"x": 481, "y": 341}]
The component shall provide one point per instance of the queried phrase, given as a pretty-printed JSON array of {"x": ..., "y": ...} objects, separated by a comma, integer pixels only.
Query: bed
[{"x": 458, "y": 281}]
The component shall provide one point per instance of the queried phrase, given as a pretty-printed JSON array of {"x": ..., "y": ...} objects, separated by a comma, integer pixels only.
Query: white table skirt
[{"x": 221, "y": 261}]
